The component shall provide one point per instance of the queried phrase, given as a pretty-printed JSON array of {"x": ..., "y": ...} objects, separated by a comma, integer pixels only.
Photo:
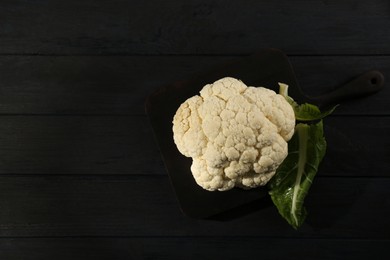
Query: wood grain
[
  {"x": 188, "y": 248},
  {"x": 193, "y": 27},
  {"x": 78, "y": 145},
  {"x": 125, "y": 145},
  {"x": 120, "y": 85},
  {"x": 81, "y": 176},
  {"x": 57, "y": 206}
]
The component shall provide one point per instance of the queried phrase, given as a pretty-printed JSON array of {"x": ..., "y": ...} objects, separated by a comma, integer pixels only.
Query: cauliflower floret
[{"x": 236, "y": 135}]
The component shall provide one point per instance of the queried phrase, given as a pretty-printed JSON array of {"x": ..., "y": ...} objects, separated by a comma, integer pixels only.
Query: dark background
[{"x": 81, "y": 176}]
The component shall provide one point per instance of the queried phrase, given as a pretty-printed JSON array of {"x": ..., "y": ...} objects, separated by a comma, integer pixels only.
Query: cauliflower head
[{"x": 236, "y": 135}]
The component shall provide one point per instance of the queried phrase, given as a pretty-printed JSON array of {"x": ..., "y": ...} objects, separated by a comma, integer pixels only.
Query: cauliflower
[{"x": 236, "y": 135}]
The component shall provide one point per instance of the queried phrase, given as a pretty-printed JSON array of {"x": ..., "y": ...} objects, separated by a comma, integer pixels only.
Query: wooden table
[{"x": 81, "y": 175}]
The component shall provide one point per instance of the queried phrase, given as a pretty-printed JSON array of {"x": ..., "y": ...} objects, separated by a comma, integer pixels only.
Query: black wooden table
[{"x": 81, "y": 176}]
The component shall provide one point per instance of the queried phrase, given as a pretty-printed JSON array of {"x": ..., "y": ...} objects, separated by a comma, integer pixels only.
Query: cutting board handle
[{"x": 363, "y": 85}]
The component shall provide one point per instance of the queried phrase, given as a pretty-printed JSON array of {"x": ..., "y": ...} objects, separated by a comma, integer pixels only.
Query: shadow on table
[{"x": 243, "y": 210}]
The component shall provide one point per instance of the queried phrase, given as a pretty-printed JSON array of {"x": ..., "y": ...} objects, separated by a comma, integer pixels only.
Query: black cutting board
[{"x": 266, "y": 69}]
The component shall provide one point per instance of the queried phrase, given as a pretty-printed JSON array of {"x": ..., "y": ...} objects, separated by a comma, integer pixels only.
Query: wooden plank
[
  {"x": 353, "y": 146},
  {"x": 322, "y": 74},
  {"x": 190, "y": 248},
  {"x": 87, "y": 85},
  {"x": 120, "y": 85},
  {"x": 78, "y": 145},
  {"x": 193, "y": 27},
  {"x": 57, "y": 206},
  {"x": 357, "y": 146}
]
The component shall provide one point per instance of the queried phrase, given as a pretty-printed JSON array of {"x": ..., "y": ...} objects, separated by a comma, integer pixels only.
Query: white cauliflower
[{"x": 236, "y": 135}]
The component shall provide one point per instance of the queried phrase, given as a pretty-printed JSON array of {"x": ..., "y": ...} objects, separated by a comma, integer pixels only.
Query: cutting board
[{"x": 265, "y": 68}]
